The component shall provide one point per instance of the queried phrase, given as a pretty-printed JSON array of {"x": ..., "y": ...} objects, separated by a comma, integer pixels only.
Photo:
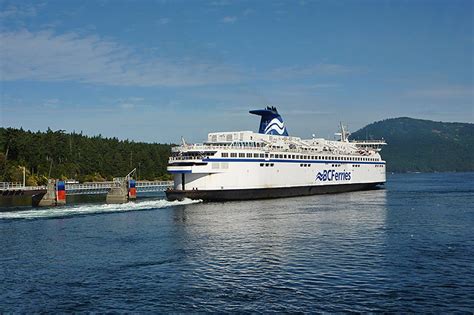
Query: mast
[{"x": 344, "y": 134}]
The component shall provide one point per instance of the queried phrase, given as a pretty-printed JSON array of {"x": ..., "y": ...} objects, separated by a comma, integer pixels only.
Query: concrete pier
[
  {"x": 49, "y": 198},
  {"x": 118, "y": 193}
]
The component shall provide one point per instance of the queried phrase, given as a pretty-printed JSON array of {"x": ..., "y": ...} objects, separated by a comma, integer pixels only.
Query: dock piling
[
  {"x": 118, "y": 193},
  {"x": 55, "y": 194},
  {"x": 132, "y": 190}
]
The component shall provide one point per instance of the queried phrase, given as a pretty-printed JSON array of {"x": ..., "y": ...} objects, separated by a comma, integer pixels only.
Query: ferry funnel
[{"x": 271, "y": 122}]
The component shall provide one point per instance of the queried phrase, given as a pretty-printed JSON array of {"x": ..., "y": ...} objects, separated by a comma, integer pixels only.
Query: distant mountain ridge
[{"x": 423, "y": 145}]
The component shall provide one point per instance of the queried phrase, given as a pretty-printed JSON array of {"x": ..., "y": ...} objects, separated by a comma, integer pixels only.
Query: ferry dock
[{"x": 120, "y": 190}]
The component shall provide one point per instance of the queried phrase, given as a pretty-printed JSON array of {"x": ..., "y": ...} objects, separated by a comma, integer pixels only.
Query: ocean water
[{"x": 406, "y": 248}]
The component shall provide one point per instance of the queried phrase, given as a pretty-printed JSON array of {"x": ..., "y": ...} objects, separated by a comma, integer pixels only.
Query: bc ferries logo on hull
[{"x": 333, "y": 175}]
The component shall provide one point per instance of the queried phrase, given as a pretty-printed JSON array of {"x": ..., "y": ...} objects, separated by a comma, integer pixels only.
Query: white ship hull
[{"x": 229, "y": 179}]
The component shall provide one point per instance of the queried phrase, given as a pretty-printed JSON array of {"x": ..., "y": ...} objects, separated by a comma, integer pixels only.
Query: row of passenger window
[
  {"x": 296, "y": 156},
  {"x": 266, "y": 164}
]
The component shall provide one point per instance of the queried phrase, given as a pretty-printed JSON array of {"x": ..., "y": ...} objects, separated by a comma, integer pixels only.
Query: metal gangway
[
  {"x": 91, "y": 188},
  {"x": 19, "y": 189},
  {"x": 96, "y": 188}
]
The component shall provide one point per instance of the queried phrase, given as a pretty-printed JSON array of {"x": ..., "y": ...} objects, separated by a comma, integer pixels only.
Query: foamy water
[{"x": 66, "y": 211}]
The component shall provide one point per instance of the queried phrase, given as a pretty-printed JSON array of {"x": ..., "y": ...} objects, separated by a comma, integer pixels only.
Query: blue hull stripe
[
  {"x": 183, "y": 171},
  {"x": 291, "y": 161}
]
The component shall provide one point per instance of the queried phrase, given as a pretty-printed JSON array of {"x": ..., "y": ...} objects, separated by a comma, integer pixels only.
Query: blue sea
[{"x": 408, "y": 248}]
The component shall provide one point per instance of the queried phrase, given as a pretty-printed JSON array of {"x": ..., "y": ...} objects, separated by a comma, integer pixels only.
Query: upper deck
[
  {"x": 273, "y": 140},
  {"x": 249, "y": 144}
]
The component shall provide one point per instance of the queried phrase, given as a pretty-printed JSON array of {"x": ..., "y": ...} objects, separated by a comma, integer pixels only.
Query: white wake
[{"x": 65, "y": 211}]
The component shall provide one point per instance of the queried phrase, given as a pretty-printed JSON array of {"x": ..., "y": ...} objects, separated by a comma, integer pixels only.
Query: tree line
[{"x": 57, "y": 154}]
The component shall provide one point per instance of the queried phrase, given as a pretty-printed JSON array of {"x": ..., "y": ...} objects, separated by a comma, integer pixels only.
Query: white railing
[
  {"x": 7, "y": 185},
  {"x": 303, "y": 149},
  {"x": 327, "y": 155},
  {"x": 92, "y": 188},
  {"x": 18, "y": 186},
  {"x": 106, "y": 186},
  {"x": 368, "y": 141},
  {"x": 153, "y": 183}
]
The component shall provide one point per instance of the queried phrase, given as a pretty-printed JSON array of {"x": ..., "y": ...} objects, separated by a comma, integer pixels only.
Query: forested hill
[
  {"x": 75, "y": 156},
  {"x": 423, "y": 145}
]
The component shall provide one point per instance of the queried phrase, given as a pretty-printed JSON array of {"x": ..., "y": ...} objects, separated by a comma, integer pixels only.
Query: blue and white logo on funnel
[
  {"x": 271, "y": 122},
  {"x": 275, "y": 125}
]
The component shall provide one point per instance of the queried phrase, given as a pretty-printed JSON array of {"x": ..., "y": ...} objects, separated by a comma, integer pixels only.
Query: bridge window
[
  {"x": 249, "y": 155},
  {"x": 255, "y": 155},
  {"x": 241, "y": 154},
  {"x": 233, "y": 155},
  {"x": 225, "y": 154}
]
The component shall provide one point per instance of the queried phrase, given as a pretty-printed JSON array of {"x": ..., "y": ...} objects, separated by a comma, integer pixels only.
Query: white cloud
[
  {"x": 52, "y": 103},
  {"x": 248, "y": 12},
  {"x": 136, "y": 99},
  {"x": 18, "y": 12},
  {"x": 220, "y": 3},
  {"x": 325, "y": 85},
  {"x": 45, "y": 56},
  {"x": 127, "y": 106},
  {"x": 163, "y": 21},
  {"x": 311, "y": 70},
  {"x": 444, "y": 92},
  {"x": 229, "y": 19}
]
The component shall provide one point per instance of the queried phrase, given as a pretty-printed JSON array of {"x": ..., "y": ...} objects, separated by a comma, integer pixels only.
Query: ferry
[{"x": 244, "y": 165}]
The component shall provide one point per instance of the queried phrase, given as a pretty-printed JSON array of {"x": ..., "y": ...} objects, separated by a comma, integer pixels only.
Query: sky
[{"x": 154, "y": 71}]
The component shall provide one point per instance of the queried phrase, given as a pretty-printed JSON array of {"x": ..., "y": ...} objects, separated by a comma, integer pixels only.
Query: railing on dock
[
  {"x": 104, "y": 187},
  {"x": 91, "y": 188},
  {"x": 18, "y": 186},
  {"x": 88, "y": 188}
]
